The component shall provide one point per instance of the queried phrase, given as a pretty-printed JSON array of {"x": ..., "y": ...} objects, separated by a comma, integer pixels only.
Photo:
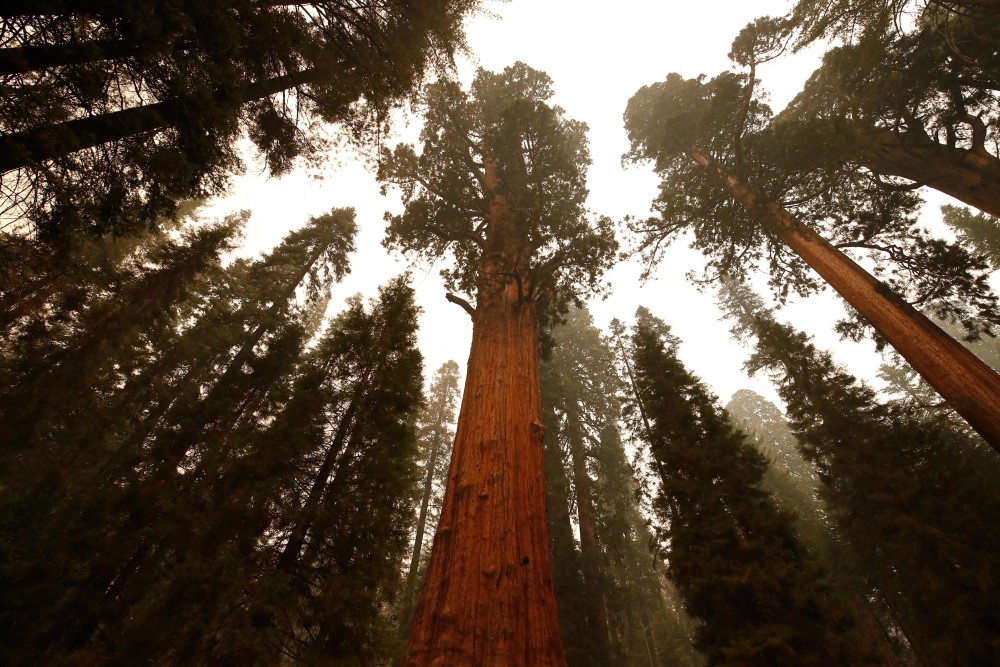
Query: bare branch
[{"x": 459, "y": 301}]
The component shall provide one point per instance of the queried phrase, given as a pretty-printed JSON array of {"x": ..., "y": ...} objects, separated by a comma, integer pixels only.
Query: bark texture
[
  {"x": 488, "y": 599},
  {"x": 971, "y": 387},
  {"x": 970, "y": 175}
]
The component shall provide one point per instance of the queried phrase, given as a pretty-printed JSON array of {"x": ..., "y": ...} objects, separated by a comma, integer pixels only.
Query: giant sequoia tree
[
  {"x": 112, "y": 110},
  {"x": 915, "y": 498},
  {"x": 912, "y": 106},
  {"x": 711, "y": 143},
  {"x": 500, "y": 185}
]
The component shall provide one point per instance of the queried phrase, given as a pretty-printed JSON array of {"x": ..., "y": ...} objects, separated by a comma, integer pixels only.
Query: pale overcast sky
[{"x": 598, "y": 55}]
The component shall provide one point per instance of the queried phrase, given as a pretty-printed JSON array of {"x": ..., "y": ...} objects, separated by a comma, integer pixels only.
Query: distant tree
[
  {"x": 435, "y": 435},
  {"x": 914, "y": 497},
  {"x": 113, "y": 111},
  {"x": 711, "y": 144},
  {"x": 499, "y": 185},
  {"x": 733, "y": 555},
  {"x": 795, "y": 487},
  {"x": 621, "y": 603},
  {"x": 981, "y": 232}
]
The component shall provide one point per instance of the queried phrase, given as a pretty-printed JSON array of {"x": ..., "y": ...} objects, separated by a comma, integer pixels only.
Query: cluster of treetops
[{"x": 200, "y": 466}]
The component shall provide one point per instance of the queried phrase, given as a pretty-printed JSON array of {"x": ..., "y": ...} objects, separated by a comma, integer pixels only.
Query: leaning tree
[
  {"x": 725, "y": 177},
  {"x": 500, "y": 185}
]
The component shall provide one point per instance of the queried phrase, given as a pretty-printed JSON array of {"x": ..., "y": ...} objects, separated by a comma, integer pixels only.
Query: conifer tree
[
  {"x": 734, "y": 556},
  {"x": 62, "y": 373},
  {"x": 435, "y": 434},
  {"x": 333, "y": 479},
  {"x": 979, "y": 231},
  {"x": 914, "y": 497},
  {"x": 115, "y": 110},
  {"x": 121, "y": 513},
  {"x": 794, "y": 485},
  {"x": 712, "y": 145},
  {"x": 620, "y": 611},
  {"x": 499, "y": 184}
]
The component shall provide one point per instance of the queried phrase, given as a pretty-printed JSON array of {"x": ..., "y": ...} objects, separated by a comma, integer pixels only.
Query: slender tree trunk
[
  {"x": 290, "y": 554},
  {"x": 37, "y": 57},
  {"x": 646, "y": 626},
  {"x": 969, "y": 175},
  {"x": 589, "y": 547},
  {"x": 13, "y": 8},
  {"x": 971, "y": 387},
  {"x": 22, "y": 149},
  {"x": 488, "y": 597},
  {"x": 418, "y": 540}
]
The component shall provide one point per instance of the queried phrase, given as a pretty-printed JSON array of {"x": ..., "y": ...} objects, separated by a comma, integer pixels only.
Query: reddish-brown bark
[
  {"x": 971, "y": 387},
  {"x": 488, "y": 597}
]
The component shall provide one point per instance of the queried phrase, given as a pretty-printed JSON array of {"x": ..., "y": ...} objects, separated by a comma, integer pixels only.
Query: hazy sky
[{"x": 597, "y": 59}]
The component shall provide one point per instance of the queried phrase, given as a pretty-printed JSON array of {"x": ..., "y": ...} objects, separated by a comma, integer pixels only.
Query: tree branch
[{"x": 459, "y": 301}]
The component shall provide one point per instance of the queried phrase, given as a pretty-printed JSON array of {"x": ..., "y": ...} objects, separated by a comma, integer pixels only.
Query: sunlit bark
[
  {"x": 971, "y": 387},
  {"x": 488, "y": 598}
]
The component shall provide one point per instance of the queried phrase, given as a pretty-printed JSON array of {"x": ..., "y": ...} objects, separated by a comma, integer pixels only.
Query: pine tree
[
  {"x": 436, "y": 433},
  {"x": 120, "y": 514},
  {"x": 733, "y": 554},
  {"x": 61, "y": 399},
  {"x": 794, "y": 485},
  {"x": 500, "y": 185},
  {"x": 619, "y": 612},
  {"x": 913, "y": 496},
  {"x": 115, "y": 110}
]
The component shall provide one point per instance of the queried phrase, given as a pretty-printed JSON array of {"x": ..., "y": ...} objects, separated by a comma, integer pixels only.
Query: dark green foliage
[
  {"x": 111, "y": 114},
  {"x": 201, "y": 489},
  {"x": 500, "y": 139},
  {"x": 914, "y": 496},
  {"x": 582, "y": 398},
  {"x": 795, "y": 487},
  {"x": 734, "y": 556}
]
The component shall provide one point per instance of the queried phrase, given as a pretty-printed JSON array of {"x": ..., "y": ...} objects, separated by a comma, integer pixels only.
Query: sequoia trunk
[
  {"x": 971, "y": 387},
  {"x": 488, "y": 597},
  {"x": 971, "y": 176}
]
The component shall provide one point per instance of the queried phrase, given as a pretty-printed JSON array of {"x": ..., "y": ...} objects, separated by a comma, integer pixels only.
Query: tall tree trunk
[
  {"x": 425, "y": 501},
  {"x": 290, "y": 554},
  {"x": 22, "y": 149},
  {"x": 589, "y": 547},
  {"x": 969, "y": 175},
  {"x": 36, "y": 57},
  {"x": 488, "y": 597},
  {"x": 971, "y": 387}
]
